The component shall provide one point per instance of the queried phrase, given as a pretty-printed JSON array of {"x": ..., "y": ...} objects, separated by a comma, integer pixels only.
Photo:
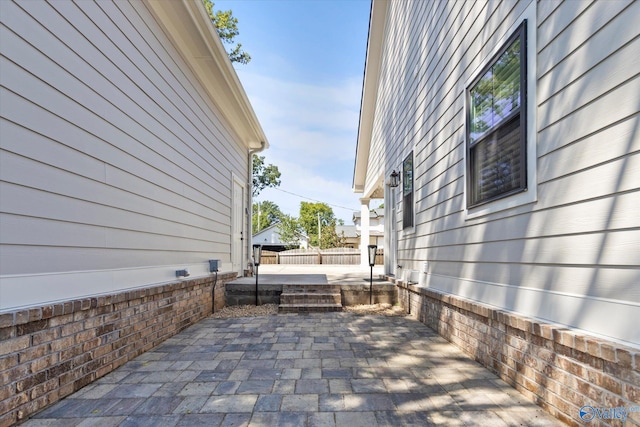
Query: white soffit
[{"x": 187, "y": 24}]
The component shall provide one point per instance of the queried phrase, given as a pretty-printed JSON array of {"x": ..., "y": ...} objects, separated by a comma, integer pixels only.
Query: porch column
[{"x": 364, "y": 232}]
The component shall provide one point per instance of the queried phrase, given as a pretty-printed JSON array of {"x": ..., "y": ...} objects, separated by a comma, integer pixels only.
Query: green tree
[
  {"x": 227, "y": 28},
  {"x": 330, "y": 238},
  {"x": 264, "y": 176},
  {"x": 264, "y": 214},
  {"x": 290, "y": 230},
  {"x": 314, "y": 216}
]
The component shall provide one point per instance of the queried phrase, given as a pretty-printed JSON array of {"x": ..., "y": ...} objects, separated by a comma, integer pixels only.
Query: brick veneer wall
[
  {"x": 559, "y": 369},
  {"x": 49, "y": 352}
]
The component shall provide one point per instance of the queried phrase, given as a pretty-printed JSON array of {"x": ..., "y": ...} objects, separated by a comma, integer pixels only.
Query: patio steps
[{"x": 310, "y": 299}]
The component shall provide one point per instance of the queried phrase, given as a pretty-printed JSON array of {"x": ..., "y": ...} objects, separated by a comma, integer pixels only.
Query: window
[
  {"x": 496, "y": 125},
  {"x": 407, "y": 191}
]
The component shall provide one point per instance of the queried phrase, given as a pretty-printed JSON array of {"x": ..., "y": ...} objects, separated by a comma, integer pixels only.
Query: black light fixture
[
  {"x": 257, "y": 254},
  {"x": 372, "y": 261},
  {"x": 394, "y": 179},
  {"x": 213, "y": 268}
]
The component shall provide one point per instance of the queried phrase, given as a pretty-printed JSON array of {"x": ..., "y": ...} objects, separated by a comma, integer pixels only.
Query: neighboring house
[
  {"x": 376, "y": 226},
  {"x": 349, "y": 234},
  {"x": 514, "y": 129},
  {"x": 126, "y": 143},
  {"x": 352, "y": 233},
  {"x": 270, "y": 240}
]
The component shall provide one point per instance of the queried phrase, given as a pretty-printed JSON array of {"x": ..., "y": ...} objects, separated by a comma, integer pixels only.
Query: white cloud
[
  {"x": 312, "y": 133},
  {"x": 319, "y": 122}
]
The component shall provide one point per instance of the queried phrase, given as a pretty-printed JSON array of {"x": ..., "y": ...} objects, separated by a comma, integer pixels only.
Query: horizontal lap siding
[
  {"x": 112, "y": 157},
  {"x": 582, "y": 236}
]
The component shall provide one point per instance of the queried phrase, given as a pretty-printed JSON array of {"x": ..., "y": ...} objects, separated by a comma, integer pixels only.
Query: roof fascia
[
  {"x": 188, "y": 25},
  {"x": 375, "y": 41}
]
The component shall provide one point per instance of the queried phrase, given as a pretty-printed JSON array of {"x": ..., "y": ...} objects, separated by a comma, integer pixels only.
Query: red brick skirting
[
  {"x": 559, "y": 369},
  {"x": 49, "y": 352}
]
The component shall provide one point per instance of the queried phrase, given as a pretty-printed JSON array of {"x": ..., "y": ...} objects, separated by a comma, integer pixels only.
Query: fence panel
[
  {"x": 380, "y": 257},
  {"x": 269, "y": 257},
  {"x": 299, "y": 256},
  {"x": 340, "y": 256}
]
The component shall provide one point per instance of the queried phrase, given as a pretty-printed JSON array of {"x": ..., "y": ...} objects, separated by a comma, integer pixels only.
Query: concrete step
[
  {"x": 316, "y": 298},
  {"x": 309, "y": 308},
  {"x": 310, "y": 298},
  {"x": 310, "y": 289}
]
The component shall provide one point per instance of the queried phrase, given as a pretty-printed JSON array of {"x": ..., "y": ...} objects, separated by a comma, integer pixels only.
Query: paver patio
[{"x": 328, "y": 369}]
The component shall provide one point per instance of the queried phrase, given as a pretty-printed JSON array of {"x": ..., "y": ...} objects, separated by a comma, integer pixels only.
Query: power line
[{"x": 313, "y": 200}]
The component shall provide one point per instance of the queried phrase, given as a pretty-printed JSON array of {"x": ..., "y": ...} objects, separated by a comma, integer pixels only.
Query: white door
[{"x": 237, "y": 226}]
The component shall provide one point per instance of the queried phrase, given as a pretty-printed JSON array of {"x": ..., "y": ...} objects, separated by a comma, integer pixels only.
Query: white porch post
[{"x": 364, "y": 232}]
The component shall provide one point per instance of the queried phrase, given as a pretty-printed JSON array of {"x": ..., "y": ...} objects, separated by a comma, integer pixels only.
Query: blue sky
[{"x": 305, "y": 83}]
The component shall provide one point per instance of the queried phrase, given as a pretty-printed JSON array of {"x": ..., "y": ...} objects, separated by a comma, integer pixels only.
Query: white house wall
[
  {"x": 114, "y": 164},
  {"x": 573, "y": 255}
]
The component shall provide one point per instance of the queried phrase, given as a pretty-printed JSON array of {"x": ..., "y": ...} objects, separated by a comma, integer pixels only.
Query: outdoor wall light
[
  {"x": 182, "y": 273},
  {"x": 257, "y": 254},
  {"x": 372, "y": 261},
  {"x": 394, "y": 179}
]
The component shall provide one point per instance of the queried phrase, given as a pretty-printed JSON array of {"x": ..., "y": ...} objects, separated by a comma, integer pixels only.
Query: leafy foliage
[
  {"x": 290, "y": 230},
  {"x": 227, "y": 28},
  {"x": 264, "y": 214},
  {"x": 497, "y": 94},
  {"x": 313, "y": 215},
  {"x": 331, "y": 239},
  {"x": 264, "y": 176}
]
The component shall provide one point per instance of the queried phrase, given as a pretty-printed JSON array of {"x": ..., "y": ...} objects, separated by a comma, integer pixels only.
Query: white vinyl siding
[
  {"x": 112, "y": 155},
  {"x": 579, "y": 240}
]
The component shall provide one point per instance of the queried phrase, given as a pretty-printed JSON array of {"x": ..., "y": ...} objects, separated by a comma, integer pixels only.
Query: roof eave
[
  {"x": 188, "y": 25},
  {"x": 369, "y": 92}
]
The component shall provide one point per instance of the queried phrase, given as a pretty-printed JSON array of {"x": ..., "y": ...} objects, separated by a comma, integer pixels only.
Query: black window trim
[
  {"x": 520, "y": 32},
  {"x": 407, "y": 199}
]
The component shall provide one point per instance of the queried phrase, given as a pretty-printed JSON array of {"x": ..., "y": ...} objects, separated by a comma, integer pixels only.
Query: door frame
[
  {"x": 390, "y": 232},
  {"x": 238, "y": 232}
]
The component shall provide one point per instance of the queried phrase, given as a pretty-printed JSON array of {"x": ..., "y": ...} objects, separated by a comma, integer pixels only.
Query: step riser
[
  {"x": 311, "y": 289},
  {"x": 311, "y": 308},
  {"x": 310, "y": 299}
]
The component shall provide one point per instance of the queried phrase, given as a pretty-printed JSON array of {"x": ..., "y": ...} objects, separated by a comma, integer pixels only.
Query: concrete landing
[{"x": 282, "y": 279}]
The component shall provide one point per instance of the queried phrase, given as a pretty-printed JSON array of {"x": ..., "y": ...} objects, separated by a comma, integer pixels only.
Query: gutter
[{"x": 251, "y": 152}]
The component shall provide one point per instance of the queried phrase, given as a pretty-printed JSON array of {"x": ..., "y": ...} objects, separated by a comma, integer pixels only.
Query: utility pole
[
  {"x": 258, "y": 225},
  {"x": 319, "y": 229}
]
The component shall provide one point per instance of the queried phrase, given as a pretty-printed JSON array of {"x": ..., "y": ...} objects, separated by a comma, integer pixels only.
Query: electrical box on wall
[{"x": 214, "y": 265}]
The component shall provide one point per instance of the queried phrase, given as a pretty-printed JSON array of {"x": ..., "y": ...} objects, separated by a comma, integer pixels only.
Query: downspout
[{"x": 250, "y": 197}]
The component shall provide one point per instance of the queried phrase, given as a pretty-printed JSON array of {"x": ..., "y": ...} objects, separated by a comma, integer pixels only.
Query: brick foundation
[
  {"x": 49, "y": 352},
  {"x": 555, "y": 367}
]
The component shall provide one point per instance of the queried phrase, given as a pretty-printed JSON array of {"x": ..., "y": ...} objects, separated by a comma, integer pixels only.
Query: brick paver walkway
[{"x": 330, "y": 369}]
